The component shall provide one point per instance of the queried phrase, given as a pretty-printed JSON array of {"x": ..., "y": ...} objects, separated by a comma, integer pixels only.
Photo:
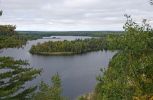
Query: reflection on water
[{"x": 78, "y": 72}]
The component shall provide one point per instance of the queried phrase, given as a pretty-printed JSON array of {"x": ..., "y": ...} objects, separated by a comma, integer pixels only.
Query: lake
[{"x": 78, "y": 72}]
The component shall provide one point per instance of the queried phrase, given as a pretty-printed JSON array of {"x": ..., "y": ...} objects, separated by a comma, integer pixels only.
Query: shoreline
[{"x": 54, "y": 53}]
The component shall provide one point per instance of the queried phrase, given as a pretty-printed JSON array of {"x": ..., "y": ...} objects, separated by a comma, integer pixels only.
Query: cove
[{"x": 78, "y": 72}]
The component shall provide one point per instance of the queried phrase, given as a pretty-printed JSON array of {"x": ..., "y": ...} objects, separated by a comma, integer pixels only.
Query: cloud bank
[{"x": 73, "y": 15}]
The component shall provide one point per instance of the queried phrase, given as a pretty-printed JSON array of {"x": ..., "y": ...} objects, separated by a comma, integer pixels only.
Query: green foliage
[
  {"x": 69, "y": 47},
  {"x": 11, "y": 41},
  {"x": 9, "y": 38},
  {"x": 52, "y": 92},
  {"x": 13, "y": 75},
  {"x": 7, "y": 30},
  {"x": 40, "y": 34},
  {"x": 130, "y": 73}
]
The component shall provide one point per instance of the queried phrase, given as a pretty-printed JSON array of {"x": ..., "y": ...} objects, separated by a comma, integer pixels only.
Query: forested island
[{"x": 69, "y": 47}]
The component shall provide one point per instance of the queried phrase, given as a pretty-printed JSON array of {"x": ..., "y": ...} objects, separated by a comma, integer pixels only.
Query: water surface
[{"x": 78, "y": 72}]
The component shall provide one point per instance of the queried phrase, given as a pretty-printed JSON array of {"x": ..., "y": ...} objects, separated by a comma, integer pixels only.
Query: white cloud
[{"x": 73, "y": 14}]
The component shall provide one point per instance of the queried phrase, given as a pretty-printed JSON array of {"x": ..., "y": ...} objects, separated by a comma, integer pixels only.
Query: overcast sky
[{"x": 71, "y": 15}]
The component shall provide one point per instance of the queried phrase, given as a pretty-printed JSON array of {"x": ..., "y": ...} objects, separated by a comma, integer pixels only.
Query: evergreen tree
[
  {"x": 52, "y": 92},
  {"x": 13, "y": 76},
  {"x": 130, "y": 73}
]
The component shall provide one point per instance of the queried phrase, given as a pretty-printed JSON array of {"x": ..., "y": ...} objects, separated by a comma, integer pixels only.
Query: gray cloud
[{"x": 73, "y": 14}]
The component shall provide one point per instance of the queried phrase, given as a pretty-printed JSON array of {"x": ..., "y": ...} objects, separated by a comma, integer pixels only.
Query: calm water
[{"x": 78, "y": 72}]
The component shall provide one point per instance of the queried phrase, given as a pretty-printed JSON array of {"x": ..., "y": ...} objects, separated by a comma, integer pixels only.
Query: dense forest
[
  {"x": 130, "y": 72},
  {"x": 39, "y": 34},
  {"x": 69, "y": 47}
]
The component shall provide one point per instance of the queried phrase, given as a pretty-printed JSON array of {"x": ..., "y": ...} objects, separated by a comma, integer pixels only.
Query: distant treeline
[{"x": 40, "y": 34}]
